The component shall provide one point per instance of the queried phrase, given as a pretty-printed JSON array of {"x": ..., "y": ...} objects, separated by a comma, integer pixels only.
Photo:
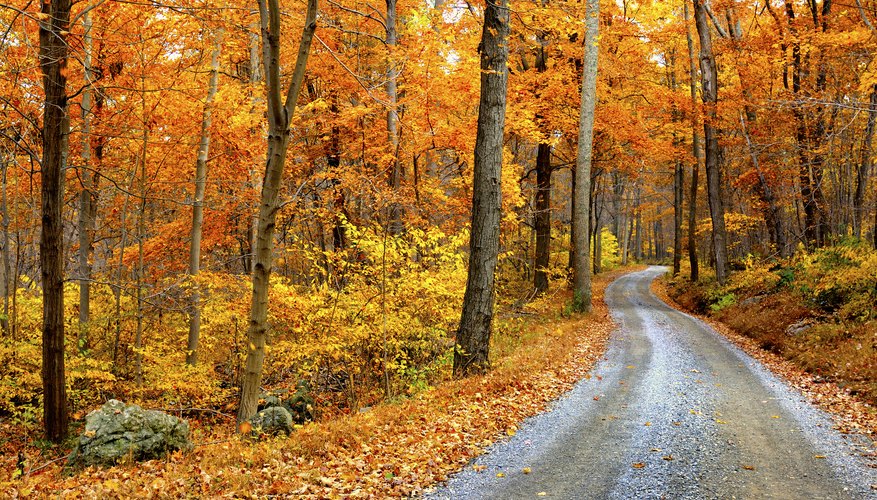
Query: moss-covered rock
[{"x": 117, "y": 431}]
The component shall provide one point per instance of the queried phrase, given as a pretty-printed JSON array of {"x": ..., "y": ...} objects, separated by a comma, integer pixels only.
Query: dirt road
[{"x": 673, "y": 411}]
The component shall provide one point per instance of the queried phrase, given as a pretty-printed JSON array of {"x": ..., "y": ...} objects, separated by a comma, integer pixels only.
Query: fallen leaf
[
  {"x": 542, "y": 494},
  {"x": 818, "y": 456},
  {"x": 479, "y": 468},
  {"x": 526, "y": 470},
  {"x": 774, "y": 416},
  {"x": 748, "y": 467},
  {"x": 668, "y": 457},
  {"x": 656, "y": 449},
  {"x": 500, "y": 474},
  {"x": 648, "y": 424},
  {"x": 638, "y": 465},
  {"x": 596, "y": 398}
]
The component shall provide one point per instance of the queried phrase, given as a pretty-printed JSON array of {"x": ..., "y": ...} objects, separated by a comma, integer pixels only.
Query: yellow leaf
[
  {"x": 818, "y": 456},
  {"x": 748, "y": 467},
  {"x": 500, "y": 474},
  {"x": 542, "y": 494},
  {"x": 526, "y": 470},
  {"x": 638, "y": 465},
  {"x": 648, "y": 424}
]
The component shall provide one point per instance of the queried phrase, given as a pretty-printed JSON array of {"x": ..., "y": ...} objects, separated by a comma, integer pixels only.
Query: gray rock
[
  {"x": 800, "y": 327},
  {"x": 272, "y": 421},
  {"x": 116, "y": 431}
]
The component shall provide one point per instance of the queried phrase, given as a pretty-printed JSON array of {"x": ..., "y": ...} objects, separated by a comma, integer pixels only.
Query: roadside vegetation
[
  {"x": 816, "y": 309},
  {"x": 397, "y": 447}
]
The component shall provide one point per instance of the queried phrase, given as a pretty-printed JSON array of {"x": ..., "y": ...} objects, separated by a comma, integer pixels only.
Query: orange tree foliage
[{"x": 363, "y": 313}]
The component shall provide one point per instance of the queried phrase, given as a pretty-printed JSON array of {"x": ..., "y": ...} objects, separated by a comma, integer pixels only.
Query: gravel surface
[{"x": 673, "y": 411}]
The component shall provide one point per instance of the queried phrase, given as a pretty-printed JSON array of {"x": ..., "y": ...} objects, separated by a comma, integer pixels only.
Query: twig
[{"x": 50, "y": 462}]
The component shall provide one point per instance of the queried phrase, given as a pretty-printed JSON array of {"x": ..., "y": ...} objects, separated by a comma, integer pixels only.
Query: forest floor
[
  {"x": 398, "y": 448},
  {"x": 673, "y": 410}
]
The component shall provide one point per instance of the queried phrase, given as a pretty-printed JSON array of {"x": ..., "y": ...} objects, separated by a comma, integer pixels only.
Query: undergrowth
[{"x": 816, "y": 309}]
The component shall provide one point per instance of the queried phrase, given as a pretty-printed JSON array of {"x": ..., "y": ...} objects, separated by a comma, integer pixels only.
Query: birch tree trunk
[
  {"x": 54, "y": 28},
  {"x": 198, "y": 203},
  {"x": 581, "y": 217},
  {"x": 473, "y": 337},
  {"x": 279, "y": 118}
]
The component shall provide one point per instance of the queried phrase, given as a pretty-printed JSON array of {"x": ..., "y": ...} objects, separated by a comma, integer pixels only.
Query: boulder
[
  {"x": 301, "y": 404},
  {"x": 116, "y": 431},
  {"x": 272, "y": 421}
]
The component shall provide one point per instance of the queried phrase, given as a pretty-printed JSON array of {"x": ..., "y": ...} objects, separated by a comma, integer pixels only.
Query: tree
[
  {"x": 709, "y": 76},
  {"x": 279, "y": 120},
  {"x": 54, "y": 28},
  {"x": 695, "y": 146},
  {"x": 473, "y": 336},
  {"x": 582, "y": 214},
  {"x": 198, "y": 202}
]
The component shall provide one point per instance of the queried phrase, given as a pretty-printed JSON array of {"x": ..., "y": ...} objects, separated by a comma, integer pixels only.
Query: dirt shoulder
[{"x": 851, "y": 410}]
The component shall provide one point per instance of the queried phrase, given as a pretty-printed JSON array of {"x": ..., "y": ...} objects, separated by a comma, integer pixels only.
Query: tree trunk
[
  {"x": 710, "y": 97},
  {"x": 198, "y": 204},
  {"x": 54, "y": 28},
  {"x": 279, "y": 118},
  {"x": 582, "y": 270},
  {"x": 863, "y": 169},
  {"x": 5, "y": 270},
  {"x": 678, "y": 200},
  {"x": 395, "y": 178},
  {"x": 543, "y": 217},
  {"x": 695, "y": 146},
  {"x": 473, "y": 337},
  {"x": 87, "y": 197}
]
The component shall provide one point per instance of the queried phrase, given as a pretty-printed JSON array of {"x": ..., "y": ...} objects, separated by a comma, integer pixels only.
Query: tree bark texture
[
  {"x": 695, "y": 147},
  {"x": 710, "y": 97},
  {"x": 56, "y": 129},
  {"x": 866, "y": 162},
  {"x": 542, "y": 218},
  {"x": 582, "y": 216},
  {"x": 395, "y": 178},
  {"x": 198, "y": 204},
  {"x": 473, "y": 337},
  {"x": 279, "y": 118},
  {"x": 87, "y": 196}
]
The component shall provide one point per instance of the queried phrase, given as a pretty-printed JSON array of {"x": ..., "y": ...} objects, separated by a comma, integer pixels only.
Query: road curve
[{"x": 673, "y": 411}]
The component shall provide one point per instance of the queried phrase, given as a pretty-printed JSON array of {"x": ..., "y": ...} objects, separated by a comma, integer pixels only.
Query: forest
[{"x": 202, "y": 201}]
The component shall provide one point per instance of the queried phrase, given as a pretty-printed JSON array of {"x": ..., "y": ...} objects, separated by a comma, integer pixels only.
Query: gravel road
[{"x": 673, "y": 411}]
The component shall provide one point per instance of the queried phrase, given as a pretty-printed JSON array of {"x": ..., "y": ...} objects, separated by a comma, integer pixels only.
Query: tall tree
[
  {"x": 280, "y": 114},
  {"x": 582, "y": 215},
  {"x": 198, "y": 202},
  {"x": 863, "y": 169},
  {"x": 709, "y": 77},
  {"x": 87, "y": 197},
  {"x": 54, "y": 28},
  {"x": 473, "y": 337},
  {"x": 695, "y": 147}
]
